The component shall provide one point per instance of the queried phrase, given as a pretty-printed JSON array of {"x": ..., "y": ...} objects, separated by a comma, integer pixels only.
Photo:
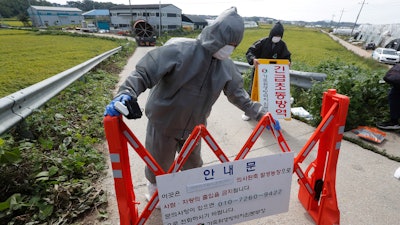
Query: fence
[
  {"x": 297, "y": 78},
  {"x": 19, "y": 105}
]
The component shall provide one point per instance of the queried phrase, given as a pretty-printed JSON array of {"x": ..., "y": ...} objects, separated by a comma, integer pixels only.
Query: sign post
[{"x": 271, "y": 87}]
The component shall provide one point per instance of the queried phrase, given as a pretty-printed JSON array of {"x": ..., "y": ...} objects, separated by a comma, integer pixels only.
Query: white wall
[{"x": 171, "y": 17}]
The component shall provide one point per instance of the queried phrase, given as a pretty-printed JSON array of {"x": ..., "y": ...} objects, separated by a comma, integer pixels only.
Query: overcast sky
[{"x": 373, "y": 11}]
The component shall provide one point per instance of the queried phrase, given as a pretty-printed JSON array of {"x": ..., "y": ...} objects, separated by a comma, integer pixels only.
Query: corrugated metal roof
[
  {"x": 51, "y": 8},
  {"x": 193, "y": 18},
  {"x": 147, "y": 6},
  {"x": 97, "y": 12}
]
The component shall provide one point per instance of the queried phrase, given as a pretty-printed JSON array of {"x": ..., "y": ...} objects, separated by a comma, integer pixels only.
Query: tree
[
  {"x": 87, "y": 5},
  {"x": 24, "y": 18},
  {"x": 13, "y": 8}
]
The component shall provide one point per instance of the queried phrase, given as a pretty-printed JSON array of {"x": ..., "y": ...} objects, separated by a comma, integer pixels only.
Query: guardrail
[
  {"x": 297, "y": 78},
  {"x": 19, "y": 105}
]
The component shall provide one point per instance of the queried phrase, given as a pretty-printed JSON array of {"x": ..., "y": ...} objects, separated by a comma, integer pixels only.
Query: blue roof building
[
  {"x": 54, "y": 16},
  {"x": 99, "y": 17}
]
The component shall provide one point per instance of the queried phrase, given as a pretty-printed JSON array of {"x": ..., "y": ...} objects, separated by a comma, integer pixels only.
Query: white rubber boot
[{"x": 151, "y": 188}]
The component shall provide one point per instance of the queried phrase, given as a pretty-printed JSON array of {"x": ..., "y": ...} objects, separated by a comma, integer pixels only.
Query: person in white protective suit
[{"x": 186, "y": 77}]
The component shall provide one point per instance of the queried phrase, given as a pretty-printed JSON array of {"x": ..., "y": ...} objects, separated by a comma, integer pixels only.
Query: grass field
[
  {"x": 309, "y": 47},
  {"x": 27, "y": 58},
  {"x": 13, "y": 22},
  {"x": 59, "y": 145}
]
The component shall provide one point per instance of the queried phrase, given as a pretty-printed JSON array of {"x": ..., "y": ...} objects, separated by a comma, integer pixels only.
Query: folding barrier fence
[{"x": 317, "y": 191}]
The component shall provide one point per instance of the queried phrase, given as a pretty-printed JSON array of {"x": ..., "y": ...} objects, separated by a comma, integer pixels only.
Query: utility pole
[
  {"x": 340, "y": 19},
  {"x": 95, "y": 17},
  {"x": 355, "y": 23},
  {"x": 130, "y": 10},
  {"x": 160, "y": 26},
  {"x": 333, "y": 17}
]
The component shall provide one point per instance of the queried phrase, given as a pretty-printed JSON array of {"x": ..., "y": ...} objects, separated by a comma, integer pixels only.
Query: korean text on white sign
[
  {"x": 227, "y": 193},
  {"x": 274, "y": 87}
]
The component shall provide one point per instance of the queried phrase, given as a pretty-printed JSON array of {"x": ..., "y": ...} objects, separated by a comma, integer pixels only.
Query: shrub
[{"x": 368, "y": 95}]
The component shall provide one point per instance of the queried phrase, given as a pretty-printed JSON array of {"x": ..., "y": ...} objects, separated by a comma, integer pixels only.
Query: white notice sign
[
  {"x": 227, "y": 193},
  {"x": 274, "y": 89}
]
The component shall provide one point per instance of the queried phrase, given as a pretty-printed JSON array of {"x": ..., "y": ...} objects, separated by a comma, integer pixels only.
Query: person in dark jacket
[
  {"x": 271, "y": 47},
  {"x": 394, "y": 110},
  {"x": 186, "y": 77},
  {"x": 394, "y": 102}
]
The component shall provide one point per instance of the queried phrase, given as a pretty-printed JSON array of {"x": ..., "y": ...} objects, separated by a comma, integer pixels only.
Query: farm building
[
  {"x": 188, "y": 26},
  {"x": 250, "y": 24},
  {"x": 382, "y": 35},
  {"x": 100, "y": 17},
  {"x": 395, "y": 44},
  {"x": 123, "y": 16},
  {"x": 54, "y": 16},
  {"x": 198, "y": 22}
]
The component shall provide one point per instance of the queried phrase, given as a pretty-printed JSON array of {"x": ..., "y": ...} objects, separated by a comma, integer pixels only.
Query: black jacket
[{"x": 265, "y": 49}]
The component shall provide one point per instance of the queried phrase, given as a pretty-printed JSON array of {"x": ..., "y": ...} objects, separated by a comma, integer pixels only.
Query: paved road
[
  {"x": 366, "y": 189},
  {"x": 356, "y": 49}
]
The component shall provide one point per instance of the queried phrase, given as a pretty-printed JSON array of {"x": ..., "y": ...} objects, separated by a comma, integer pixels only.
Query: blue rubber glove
[
  {"x": 110, "y": 108},
  {"x": 277, "y": 126}
]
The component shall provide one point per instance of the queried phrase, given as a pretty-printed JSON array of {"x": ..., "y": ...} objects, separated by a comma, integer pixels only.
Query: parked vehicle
[
  {"x": 386, "y": 55},
  {"x": 370, "y": 45},
  {"x": 91, "y": 28},
  {"x": 88, "y": 27}
]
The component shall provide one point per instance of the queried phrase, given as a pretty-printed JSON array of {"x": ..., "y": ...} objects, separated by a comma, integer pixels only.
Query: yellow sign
[{"x": 271, "y": 86}]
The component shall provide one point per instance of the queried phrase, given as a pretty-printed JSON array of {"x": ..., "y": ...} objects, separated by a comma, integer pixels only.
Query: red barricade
[
  {"x": 317, "y": 190},
  {"x": 321, "y": 201},
  {"x": 119, "y": 157}
]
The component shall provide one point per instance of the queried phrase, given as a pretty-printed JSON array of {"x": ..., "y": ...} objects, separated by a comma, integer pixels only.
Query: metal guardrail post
[
  {"x": 19, "y": 105},
  {"x": 305, "y": 79},
  {"x": 297, "y": 78}
]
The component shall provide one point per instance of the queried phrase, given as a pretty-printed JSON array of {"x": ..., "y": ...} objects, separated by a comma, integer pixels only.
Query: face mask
[
  {"x": 276, "y": 39},
  {"x": 224, "y": 52}
]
